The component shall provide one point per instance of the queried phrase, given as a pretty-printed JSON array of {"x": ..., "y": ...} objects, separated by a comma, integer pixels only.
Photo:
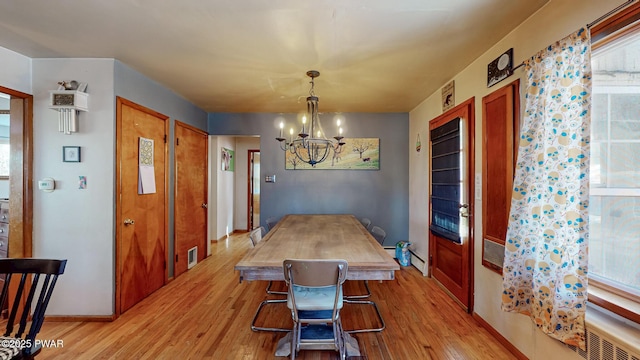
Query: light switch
[{"x": 270, "y": 178}]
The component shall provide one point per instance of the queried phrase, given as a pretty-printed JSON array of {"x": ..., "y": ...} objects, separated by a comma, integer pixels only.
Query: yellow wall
[{"x": 551, "y": 23}]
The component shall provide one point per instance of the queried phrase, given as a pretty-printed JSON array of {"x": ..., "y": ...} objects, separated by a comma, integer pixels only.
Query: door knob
[
  {"x": 129, "y": 222},
  {"x": 204, "y": 206}
]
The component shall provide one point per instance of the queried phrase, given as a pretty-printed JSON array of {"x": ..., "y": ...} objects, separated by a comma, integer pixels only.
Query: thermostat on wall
[{"x": 47, "y": 184}]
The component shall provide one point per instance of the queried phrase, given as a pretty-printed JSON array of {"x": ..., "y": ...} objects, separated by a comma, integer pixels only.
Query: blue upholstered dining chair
[{"x": 315, "y": 300}]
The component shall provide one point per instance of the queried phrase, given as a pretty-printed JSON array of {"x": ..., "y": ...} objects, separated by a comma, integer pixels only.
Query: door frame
[
  {"x": 250, "y": 154},
  {"x": 119, "y": 102},
  {"x": 465, "y": 110},
  {"x": 21, "y": 173}
]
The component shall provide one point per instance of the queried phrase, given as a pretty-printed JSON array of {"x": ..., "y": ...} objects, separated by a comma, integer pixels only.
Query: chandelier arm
[
  {"x": 311, "y": 146},
  {"x": 284, "y": 146}
]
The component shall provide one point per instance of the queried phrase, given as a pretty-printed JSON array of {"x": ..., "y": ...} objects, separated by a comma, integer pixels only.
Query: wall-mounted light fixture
[{"x": 69, "y": 103}]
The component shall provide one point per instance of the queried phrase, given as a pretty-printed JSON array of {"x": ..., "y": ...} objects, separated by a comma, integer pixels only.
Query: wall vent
[
  {"x": 192, "y": 256},
  {"x": 602, "y": 347},
  {"x": 493, "y": 253}
]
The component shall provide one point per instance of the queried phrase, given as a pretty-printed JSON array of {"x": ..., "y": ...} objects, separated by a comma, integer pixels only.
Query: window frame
[{"x": 601, "y": 292}]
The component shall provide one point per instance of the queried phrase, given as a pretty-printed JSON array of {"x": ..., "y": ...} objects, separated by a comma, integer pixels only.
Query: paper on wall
[{"x": 146, "y": 173}]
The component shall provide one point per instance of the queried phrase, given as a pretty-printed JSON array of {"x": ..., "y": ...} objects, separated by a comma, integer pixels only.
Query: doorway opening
[{"x": 254, "y": 189}]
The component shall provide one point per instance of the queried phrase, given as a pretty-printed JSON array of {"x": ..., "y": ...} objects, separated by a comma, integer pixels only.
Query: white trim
[
  {"x": 194, "y": 255},
  {"x": 598, "y": 191}
]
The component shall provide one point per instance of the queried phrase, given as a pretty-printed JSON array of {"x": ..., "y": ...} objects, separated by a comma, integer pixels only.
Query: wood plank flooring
[{"x": 205, "y": 314}]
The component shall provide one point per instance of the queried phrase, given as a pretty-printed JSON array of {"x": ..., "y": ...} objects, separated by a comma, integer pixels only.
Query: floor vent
[
  {"x": 192, "y": 256},
  {"x": 603, "y": 347}
]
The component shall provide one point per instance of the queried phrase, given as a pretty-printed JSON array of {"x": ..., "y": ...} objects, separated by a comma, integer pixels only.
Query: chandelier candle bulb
[
  {"x": 304, "y": 120},
  {"x": 281, "y": 127}
]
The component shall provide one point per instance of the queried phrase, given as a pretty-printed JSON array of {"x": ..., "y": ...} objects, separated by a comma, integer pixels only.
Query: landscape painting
[{"x": 355, "y": 154}]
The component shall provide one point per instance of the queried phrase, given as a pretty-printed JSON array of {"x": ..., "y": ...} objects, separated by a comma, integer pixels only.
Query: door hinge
[
  {"x": 430, "y": 260},
  {"x": 165, "y": 138},
  {"x": 177, "y": 141},
  {"x": 176, "y": 257},
  {"x": 164, "y": 264}
]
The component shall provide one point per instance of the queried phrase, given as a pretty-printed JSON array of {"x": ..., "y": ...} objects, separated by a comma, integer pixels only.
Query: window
[
  {"x": 614, "y": 198},
  {"x": 4, "y": 158}
]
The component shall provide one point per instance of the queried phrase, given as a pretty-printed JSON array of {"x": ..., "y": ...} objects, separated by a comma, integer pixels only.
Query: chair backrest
[
  {"x": 316, "y": 276},
  {"x": 366, "y": 222},
  {"x": 28, "y": 282},
  {"x": 256, "y": 235},
  {"x": 315, "y": 272},
  {"x": 379, "y": 234},
  {"x": 271, "y": 223}
]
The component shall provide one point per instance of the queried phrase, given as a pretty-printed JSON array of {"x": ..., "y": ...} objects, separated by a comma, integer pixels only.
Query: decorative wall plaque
[
  {"x": 448, "y": 96},
  {"x": 500, "y": 68}
]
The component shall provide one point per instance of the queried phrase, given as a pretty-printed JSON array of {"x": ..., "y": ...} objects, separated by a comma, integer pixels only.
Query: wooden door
[
  {"x": 254, "y": 189},
  {"x": 500, "y": 128},
  {"x": 141, "y": 219},
  {"x": 190, "y": 209},
  {"x": 451, "y": 202}
]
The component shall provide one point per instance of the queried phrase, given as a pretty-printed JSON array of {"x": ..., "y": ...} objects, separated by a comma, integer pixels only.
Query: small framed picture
[{"x": 71, "y": 153}]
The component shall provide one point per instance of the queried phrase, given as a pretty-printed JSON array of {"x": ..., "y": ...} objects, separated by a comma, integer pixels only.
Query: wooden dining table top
[{"x": 318, "y": 237}]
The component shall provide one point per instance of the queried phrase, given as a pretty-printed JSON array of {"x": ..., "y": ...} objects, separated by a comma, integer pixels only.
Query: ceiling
[{"x": 252, "y": 55}]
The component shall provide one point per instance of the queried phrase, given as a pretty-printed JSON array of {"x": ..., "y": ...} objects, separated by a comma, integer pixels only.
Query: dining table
[{"x": 318, "y": 236}]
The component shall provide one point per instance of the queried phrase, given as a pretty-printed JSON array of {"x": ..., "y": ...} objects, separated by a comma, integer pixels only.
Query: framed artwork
[
  {"x": 227, "y": 160},
  {"x": 355, "y": 154},
  {"x": 500, "y": 68},
  {"x": 448, "y": 96},
  {"x": 71, "y": 153}
]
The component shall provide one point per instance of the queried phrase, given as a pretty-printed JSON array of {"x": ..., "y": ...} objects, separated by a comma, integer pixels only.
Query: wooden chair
[
  {"x": 15, "y": 343},
  {"x": 256, "y": 236},
  {"x": 315, "y": 300}
]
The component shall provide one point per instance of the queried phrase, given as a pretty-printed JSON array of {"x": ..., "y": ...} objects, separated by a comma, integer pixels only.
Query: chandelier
[{"x": 311, "y": 146}]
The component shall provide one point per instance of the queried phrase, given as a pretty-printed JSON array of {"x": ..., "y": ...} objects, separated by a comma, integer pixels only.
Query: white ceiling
[{"x": 252, "y": 55}]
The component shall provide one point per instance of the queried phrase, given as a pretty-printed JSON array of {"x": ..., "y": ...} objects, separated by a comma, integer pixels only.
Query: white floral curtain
[{"x": 545, "y": 265}]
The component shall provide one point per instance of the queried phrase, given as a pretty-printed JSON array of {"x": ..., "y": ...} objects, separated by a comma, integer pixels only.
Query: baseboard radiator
[
  {"x": 602, "y": 346},
  {"x": 416, "y": 261}
]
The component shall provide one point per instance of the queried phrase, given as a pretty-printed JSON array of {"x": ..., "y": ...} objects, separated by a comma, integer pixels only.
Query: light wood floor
[{"x": 205, "y": 314}]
